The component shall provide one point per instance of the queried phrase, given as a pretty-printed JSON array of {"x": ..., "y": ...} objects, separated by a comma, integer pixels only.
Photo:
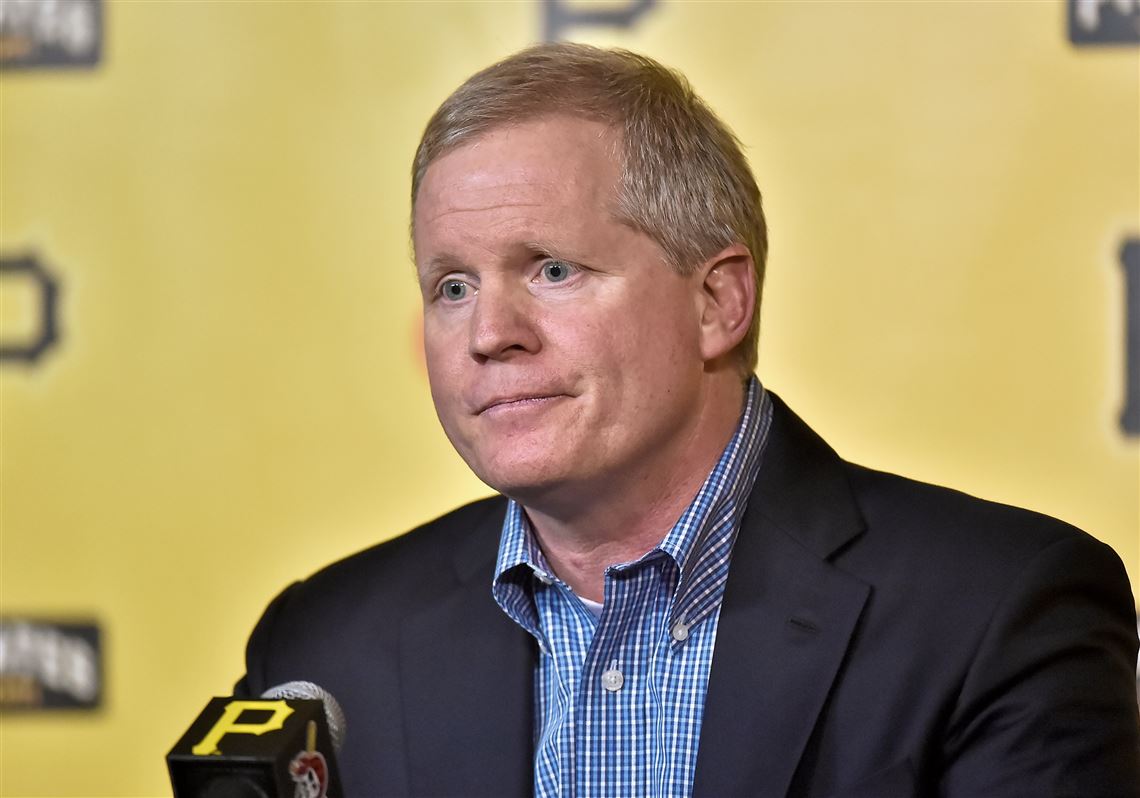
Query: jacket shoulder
[
  {"x": 923, "y": 543},
  {"x": 361, "y": 599},
  {"x": 920, "y": 513}
]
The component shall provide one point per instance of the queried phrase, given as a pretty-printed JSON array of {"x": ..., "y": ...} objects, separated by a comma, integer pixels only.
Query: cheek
[
  {"x": 442, "y": 350},
  {"x": 443, "y": 380},
  {"x": 668, "y": 336},
  {"x": 660, "y": 357},
  {"x": 630, "y": 341}
]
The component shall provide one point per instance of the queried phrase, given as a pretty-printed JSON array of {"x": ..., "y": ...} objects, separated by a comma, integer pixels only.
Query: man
[{"x": 687, "y": 592}]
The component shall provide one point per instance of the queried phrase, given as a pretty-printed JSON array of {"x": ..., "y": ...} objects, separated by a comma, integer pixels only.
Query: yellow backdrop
[{"x": 238, "y": 397}]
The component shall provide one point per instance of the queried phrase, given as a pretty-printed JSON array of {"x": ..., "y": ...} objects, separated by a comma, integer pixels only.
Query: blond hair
[{"x": 684, "y": 180}]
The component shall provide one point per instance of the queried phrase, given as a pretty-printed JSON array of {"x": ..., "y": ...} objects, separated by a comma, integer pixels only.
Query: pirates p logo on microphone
[{"x": 282, "y": 745}]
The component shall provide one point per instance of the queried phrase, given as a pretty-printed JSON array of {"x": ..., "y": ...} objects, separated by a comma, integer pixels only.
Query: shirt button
[
  {"x": 612, "y": 680},
  {"x": 544, "y": 578},
  {"x": 680, "y": 631}
]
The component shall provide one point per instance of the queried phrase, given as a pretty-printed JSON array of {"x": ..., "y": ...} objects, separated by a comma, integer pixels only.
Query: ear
[{"x": 727, "y": 300}]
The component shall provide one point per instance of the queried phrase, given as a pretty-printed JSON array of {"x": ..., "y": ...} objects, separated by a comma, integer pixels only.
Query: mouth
[{"x": 522, "y": 402}]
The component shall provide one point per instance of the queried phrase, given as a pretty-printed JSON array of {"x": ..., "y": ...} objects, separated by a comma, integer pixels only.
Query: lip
[{"x": 518, "y": 402}]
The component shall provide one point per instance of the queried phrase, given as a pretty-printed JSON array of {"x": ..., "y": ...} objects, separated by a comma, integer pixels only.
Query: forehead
[{"x": 554, "y": 160}]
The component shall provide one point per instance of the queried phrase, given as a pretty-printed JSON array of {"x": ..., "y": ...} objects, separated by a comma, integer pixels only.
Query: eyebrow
[
  {"x": 550, "y": 250},
  {"x": 439, "y": 265}
]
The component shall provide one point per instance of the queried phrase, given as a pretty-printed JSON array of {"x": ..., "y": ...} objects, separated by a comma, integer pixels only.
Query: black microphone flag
[{"x": 256, "y": 748}]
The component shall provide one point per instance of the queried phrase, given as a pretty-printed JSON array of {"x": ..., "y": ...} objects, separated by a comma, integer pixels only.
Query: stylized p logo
[{"x": 229, "y": 723}]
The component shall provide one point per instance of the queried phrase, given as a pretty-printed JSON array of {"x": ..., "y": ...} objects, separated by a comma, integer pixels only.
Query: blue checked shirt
[{"x": 619, "y": 698}]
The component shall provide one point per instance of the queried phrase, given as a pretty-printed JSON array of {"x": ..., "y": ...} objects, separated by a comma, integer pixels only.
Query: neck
[{"x": 585, "y": 530}]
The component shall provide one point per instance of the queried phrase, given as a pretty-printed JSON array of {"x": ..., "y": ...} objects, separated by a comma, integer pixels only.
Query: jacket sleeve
[{"x": 1049, "y": 706}]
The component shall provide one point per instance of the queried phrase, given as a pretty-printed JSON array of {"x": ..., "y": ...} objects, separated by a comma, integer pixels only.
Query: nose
[{"x": 503, "y": 324}]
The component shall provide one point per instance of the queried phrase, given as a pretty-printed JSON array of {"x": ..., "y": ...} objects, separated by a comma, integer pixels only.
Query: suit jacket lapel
[
  {"x": 787, "y": 618},
  {"x": 467, "y": 669}
]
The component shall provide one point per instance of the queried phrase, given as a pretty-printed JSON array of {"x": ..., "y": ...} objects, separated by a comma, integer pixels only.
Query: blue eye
[
  {"x": 555, "y": 271},
  {"x": 453, "y": 290}
]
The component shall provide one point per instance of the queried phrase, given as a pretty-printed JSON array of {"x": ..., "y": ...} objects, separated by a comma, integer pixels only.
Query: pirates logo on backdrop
[
  {"x": 48, "y": 665},
  {"x": 560, "y": 16},
  {"x": 1130, "y": 263},
  {"x": 30, "y": 325},
  {"x": 50, "y": 33},
  {"x": 1104, "y": 22}
]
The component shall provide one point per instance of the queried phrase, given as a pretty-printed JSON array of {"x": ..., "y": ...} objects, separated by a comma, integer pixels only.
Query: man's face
[{"x": 563, "y": 353}]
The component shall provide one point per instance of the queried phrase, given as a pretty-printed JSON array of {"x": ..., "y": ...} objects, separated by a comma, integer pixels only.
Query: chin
[{"x": 524, "y": 480}]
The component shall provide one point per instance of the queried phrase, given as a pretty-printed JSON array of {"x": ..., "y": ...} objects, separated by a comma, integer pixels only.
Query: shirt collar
[
  {"x": 726, "y": 485},
  {"x": 518, "y": 546}
]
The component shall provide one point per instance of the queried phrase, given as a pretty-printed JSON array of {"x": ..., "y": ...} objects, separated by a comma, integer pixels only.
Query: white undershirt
[{"x": 595, "y": 607}]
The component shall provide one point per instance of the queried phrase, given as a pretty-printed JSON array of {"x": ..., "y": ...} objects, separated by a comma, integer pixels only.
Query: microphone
[
  {"x": 282, "y": 745},
  {"x": 334, "y": 715}
]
